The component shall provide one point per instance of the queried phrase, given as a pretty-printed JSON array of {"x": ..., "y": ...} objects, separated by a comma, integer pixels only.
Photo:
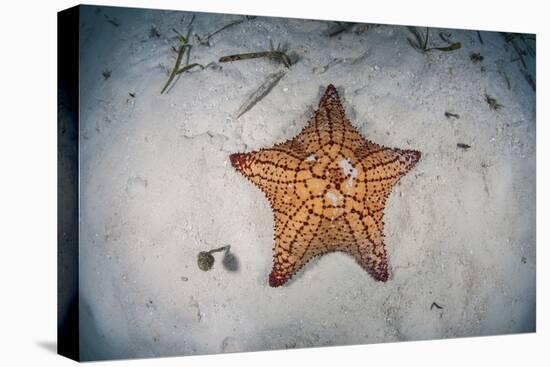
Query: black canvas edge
[{"x": 68, "y": 343}]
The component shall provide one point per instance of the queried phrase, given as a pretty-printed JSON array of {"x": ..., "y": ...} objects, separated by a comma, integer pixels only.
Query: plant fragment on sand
[
  {"x": 261, "y": 92},
  {"x": 420, "y": 42},
  {"x": 113, "y": 21},
  {"x": 493, "y": 104},
  {"x": 154, "y": 32},
  {"x": 205, "y": 259},
  {"x": 479, "y": 37},
  {"x": 524, "y": 45},
  {"x": 181, "y": 51},
  {"x": 274, "y": 54},
  {"x": 184, "y": 45},
  {"x": 205, "y": 40},
  {"x": 341, "y": 27},
  {"x": 476, "y": 57}
]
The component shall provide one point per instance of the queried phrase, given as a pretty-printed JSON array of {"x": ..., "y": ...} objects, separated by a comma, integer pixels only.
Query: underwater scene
[{"x": 253, "y": 183}]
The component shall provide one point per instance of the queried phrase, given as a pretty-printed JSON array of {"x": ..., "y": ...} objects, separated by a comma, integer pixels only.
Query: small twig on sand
[
  {"x": 450, "y": 114},
  {"x": 479, "y": 37},
  {"x": 476, "y": 57},
  {"x": 530, "y": 80},
  {"x": 506, "y": 78},
  {"x": 493, "y": 104},
  {"x": 511, "y": 38},
  {"x": 205, "y": 40},
  {"x": 520, "y": 53},
  {"x": 106, "y": 74},
  {"x": 420, "y": 43},
  {"x": 114, "y": 21},
  {"x": 445, "y": 36},
  {"x": 254, "y": 55},
  {"x": 189, "y": 67},
  {"x": 276, "y": 54},
  {"x": 154, "y": 32}
]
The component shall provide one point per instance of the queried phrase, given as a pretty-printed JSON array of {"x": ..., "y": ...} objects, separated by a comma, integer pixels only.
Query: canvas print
[{"x": 234, "y": 183}]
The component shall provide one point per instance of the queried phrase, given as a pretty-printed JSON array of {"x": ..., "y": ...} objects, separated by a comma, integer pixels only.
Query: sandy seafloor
[{"x": 157, "y": 187}]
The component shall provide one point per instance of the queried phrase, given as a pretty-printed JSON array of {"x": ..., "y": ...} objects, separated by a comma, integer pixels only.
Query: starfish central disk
[{"x": 327, "y": 187}]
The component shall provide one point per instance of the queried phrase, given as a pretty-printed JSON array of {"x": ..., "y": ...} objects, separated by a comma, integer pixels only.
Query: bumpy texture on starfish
[{"x": 327, "y": 188}]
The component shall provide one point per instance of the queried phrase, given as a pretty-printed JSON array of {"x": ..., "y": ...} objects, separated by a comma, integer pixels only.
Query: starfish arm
[
  {"x": 368, "y": 246},
  {"x": 383, "y": 168},
  {"x": 386, "y": 162},
  {"x": 330, "y": 110},
  {"x": 373, "y": 259},
  {"x": 357, "y": 235},
  {"x": 328, "y": 125},
  {"x": 367, "y": 147},
  {"x": 296, "y": 235},
  {"x": 270, "y": 169}
]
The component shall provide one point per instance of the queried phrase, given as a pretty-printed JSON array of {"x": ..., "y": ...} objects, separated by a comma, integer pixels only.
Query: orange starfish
[{"x": 327, "y": 188}]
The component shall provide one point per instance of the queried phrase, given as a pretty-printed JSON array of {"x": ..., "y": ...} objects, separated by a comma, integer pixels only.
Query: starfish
[{"x": 327, "y": 188}]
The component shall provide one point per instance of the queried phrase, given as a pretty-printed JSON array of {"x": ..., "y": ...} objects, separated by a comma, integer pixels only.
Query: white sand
[{"x": 157, "y": 187}]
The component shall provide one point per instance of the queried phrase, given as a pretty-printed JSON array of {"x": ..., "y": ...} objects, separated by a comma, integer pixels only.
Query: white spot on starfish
[
  {"x": 334, "y": 198},
  {"x": 311, "y": 158},
  {"x": 348, "y": 169}
]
